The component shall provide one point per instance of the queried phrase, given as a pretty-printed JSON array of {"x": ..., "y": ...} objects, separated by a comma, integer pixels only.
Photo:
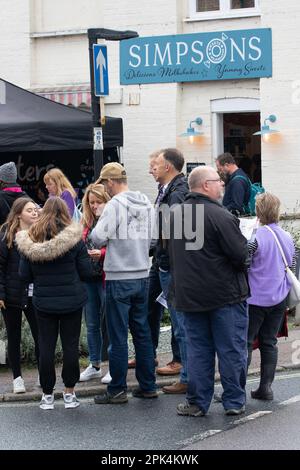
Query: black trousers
[
  {"x": 68, "y": 326},
  {"x": 264, "y": 324},
  {"x": 13, "y": 323}
]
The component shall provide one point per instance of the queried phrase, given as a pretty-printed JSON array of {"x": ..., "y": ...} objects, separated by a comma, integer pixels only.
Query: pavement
[{"x": 289, "y": 358}]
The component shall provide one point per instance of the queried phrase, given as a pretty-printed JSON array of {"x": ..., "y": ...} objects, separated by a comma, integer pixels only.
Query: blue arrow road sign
[{"x": 100, "y": 70}]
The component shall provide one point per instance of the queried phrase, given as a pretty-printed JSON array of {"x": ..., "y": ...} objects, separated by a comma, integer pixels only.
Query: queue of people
[{"x": 222, "y": 292}]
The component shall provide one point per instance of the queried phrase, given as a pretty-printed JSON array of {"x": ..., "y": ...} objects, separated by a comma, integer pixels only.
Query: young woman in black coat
[
  {"x": 55, "y": 259},
  {"x": 15, "y": 297}
]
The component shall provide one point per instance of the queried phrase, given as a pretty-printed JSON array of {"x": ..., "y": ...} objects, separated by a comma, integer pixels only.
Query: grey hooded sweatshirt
[{"x": 125, "y": 228}]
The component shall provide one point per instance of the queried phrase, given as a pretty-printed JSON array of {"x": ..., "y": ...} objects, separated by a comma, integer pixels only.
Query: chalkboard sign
[{"x": 191, "y": 165}]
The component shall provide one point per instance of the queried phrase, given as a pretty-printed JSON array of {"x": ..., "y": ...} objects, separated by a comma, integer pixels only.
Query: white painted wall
[
  {"x": 281, "y": 156},
  {"x": 59, "y": 61},
  {"x": 62, "y": 60},
  {"x": 59, "y": 15},
  {"x": 15, "y": 42}
]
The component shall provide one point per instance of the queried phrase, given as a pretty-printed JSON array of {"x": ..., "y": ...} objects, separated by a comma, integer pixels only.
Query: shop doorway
[
  {"x": 234, "y": 120},
  {"x": 238, "y": 129}
]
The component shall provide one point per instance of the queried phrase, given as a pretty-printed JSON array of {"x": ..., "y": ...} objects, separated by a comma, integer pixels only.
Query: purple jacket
[
  {"x": 268, "y": 282},
  {"x": 69, "y": 200}
]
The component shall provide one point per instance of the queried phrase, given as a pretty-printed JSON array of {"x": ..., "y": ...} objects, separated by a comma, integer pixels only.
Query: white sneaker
[
  {"x": 106, "y": 379},
  {"x": 47, "y": 402},
  {"x": 18, "y": 385},
  {"x": 90, "y": 373},
  {"x": 70, "y": 399}
]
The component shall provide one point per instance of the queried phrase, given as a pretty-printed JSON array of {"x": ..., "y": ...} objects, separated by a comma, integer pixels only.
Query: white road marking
[
  {"x": 245, "y": 419},
  {"x": 251, "y": 417},
  {"x": 280, "y": 377},
  {"x": 212, "y": 432},
  {"x": 199, "y": 437},
  {"x": 291, "y": 400}
]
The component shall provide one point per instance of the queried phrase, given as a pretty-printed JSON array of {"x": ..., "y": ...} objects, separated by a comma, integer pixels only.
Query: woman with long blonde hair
[
  {"x": 95, "y": 196},
  {"x": 55, "y": 259},
  {"x": 15, "y": 295},
  {"x": 57, "y": 184},
  {"x": 93, "y": 203}
]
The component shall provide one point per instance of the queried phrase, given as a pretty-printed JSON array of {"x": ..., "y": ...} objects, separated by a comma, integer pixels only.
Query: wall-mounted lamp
[
  {"x": 191, "y": 132},
  {"x": 265, "y": 131}
]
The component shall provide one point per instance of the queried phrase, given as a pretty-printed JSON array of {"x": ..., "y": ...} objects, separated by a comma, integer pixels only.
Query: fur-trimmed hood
[{"x": 49, "y": 250}]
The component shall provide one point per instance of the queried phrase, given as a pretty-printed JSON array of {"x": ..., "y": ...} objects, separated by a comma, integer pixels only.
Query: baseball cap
[{"x": 112, "y": 171}]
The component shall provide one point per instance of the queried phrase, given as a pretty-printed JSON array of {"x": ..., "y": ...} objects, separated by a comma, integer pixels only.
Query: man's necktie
[{"x": 159, "y": 196}]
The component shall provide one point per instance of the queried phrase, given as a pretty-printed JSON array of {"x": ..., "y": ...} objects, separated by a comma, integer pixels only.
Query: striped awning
[{"x": 70, "y": 96}]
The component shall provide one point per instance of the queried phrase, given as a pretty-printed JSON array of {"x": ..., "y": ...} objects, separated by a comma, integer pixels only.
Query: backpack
[
  {"x": 255, "y": 189},
  {"x": 77, "y": 214}
]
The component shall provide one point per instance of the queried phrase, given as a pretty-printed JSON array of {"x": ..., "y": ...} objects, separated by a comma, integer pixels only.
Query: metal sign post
[{"x": 101, "y": 63}]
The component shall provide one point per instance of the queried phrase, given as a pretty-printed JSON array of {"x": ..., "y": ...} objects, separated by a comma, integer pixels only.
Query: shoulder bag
[{"x": 294, "y": 294}]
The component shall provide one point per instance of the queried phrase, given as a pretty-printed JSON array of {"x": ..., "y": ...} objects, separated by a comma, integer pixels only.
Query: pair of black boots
[{"x": 267, "y": 373}]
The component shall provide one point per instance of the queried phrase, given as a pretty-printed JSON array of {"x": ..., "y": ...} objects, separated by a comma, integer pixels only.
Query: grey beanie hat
[{"x": 8, "y": 173}]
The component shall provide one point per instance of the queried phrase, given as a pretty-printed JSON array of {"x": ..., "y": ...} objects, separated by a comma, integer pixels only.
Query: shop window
[
  {"x": 242, "y": 4},
  {"x": 207, "y": 5},
  {"x": 218, "y": 9}
]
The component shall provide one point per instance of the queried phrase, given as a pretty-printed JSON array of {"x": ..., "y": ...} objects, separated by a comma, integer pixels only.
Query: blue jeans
[
  {"x": 177, "y": 319},
  {"x": 127, "y": 306},
  {"x": 94, "y": 313},
  {"x": 222, "y": 331}
]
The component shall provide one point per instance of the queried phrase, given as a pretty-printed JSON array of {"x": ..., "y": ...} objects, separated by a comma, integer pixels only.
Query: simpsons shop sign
[{"x": 221, "y": 55}]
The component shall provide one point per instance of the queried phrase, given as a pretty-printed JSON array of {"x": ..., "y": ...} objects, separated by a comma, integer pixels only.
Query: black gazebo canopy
[{"x": 29, "y": 122}]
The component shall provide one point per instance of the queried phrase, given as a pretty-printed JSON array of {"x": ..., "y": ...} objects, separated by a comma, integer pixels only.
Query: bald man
[{"x": 208, "y": 267}]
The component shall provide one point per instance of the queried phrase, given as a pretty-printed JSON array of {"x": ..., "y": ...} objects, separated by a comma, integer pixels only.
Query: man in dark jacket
[
  {"x": 237, "y": 184},
  {"x": 211, "y": 289},
  {"x": 173, "y": 189},
  {"x": 9, "y": 189}
]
